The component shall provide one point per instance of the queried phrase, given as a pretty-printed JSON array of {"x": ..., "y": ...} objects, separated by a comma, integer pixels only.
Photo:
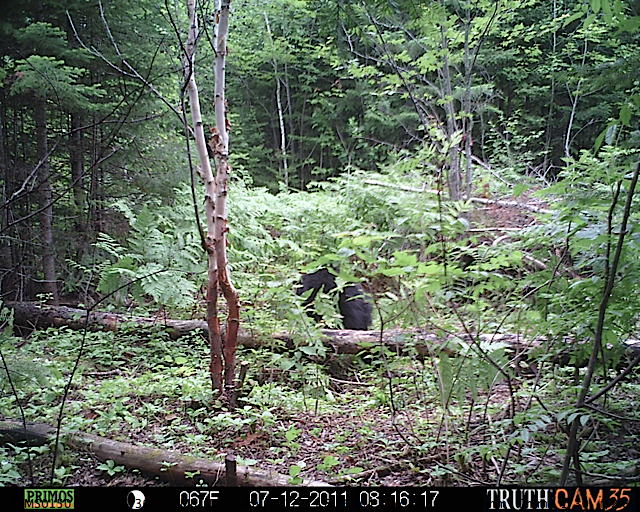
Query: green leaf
[
  {"x": 588, "y": 21},
  {"x": 404, "y": 259},
  {"x": 294, "y": 470},
  {"x": 292, "y": 433},
  {"x": 629, "y": 25},
  {"x": 572, "y": 18},
  {"x": 625, "y": 114},
  {"x": 309, "y": 350},
  {"x": 392, "y": 272},
  {"x": 599, "y": 140},
  {"x": 328, "y": 462},
  {"x": 617, "y": 7},
  {"x": 610, "y": 133},
  {"x": 286, "y": 364},
  {"x": 519, "y": 189},
  {"x": 595, "y": 5}
]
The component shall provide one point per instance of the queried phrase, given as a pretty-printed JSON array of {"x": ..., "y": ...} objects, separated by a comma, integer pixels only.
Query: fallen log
[
  {"x": 480, "y": 200},
  {"x": 168, "y": 465},
  {"x": 31, "y": 315},
  {"x": 35, "y": 315}
]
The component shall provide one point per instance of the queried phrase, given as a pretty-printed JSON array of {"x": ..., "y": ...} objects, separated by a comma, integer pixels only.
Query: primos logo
[{"x": 48, "y": 498}]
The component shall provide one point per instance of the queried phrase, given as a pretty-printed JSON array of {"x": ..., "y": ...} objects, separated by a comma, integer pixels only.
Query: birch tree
[
  {"x": 223, "y": 350},
  {"x": 283, "y": 140},
  {"x": 432, "y": 50}
]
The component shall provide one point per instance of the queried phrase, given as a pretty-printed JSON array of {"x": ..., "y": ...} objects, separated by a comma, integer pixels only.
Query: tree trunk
[
  {"x": 170, "y": 466},
  {"x": 76, "y": 160},
  {"x": 221, "y": 151},
  {"x": 453, "y": 176},
  {"x": 213, "y": 322},
  {"x": 574, "y": 105},
  {"x": 552, "y": 97},
  {"x": 283, "y": 140},
  {"x": 7, "y": 271},
  {"x": 467, "y": 122},
  {"x": 223, "y": 354},
  {"x": 31, "y": 315},
  {"x": 46, "y": 215},
  {"x": 95, "y": 188}
]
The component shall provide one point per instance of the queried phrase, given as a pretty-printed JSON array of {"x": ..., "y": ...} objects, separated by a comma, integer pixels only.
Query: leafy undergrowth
[{"x": 332, "y": 422}]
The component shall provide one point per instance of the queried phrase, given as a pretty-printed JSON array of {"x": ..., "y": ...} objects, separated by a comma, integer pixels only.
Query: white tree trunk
[
  {"x": 283, "y": 140},
  {"x": 216, "y": 189},
  {"x": 221, "y": 151},
  {"x": 210, "y": 190}
]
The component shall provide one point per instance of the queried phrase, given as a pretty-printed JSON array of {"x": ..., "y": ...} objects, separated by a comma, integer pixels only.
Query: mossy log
[
  {"x": 168, "y": 465},
  {"x": 30, "y": 315}
]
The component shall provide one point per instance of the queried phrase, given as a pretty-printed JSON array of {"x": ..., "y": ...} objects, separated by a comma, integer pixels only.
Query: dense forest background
[
  {"x": 315, "y": 91},
  {"x": 474, "y": 164}
]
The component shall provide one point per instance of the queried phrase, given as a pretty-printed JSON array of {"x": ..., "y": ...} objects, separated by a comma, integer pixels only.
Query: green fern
[
  {"x": 23, "y": 371},
  {"x": 162, "y": 259}
]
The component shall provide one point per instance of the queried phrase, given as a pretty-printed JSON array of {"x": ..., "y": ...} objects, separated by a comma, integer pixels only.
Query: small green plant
[
  {"x": 110, "y": 468},
  {"x": 166, "y": 466},
  {"x": 351, "y": 471},
  {"x": 290, "y": 435},
  {"x": 245, "y": 462},
  {"x": 294, "y": 471},
  {"x": 9, "y": 474},
  {"x": 191, "y": 474},
  {"x": 327, "y": 463},
  {"x": 62, "y": 474}
]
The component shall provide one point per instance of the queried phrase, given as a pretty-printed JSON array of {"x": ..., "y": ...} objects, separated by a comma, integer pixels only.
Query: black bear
[{"x": 354, "y": 307}]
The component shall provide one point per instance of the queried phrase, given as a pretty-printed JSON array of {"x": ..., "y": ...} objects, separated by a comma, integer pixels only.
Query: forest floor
[
  {"x": 332, "y": 423},
  {"x": 413, "y": 447},
  {"x": 351, "y": 441}
]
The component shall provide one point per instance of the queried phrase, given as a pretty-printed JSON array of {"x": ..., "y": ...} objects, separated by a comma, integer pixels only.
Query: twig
[
  {"x": 133, "y": 73},
  {"x": 481, "y": 200}
]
